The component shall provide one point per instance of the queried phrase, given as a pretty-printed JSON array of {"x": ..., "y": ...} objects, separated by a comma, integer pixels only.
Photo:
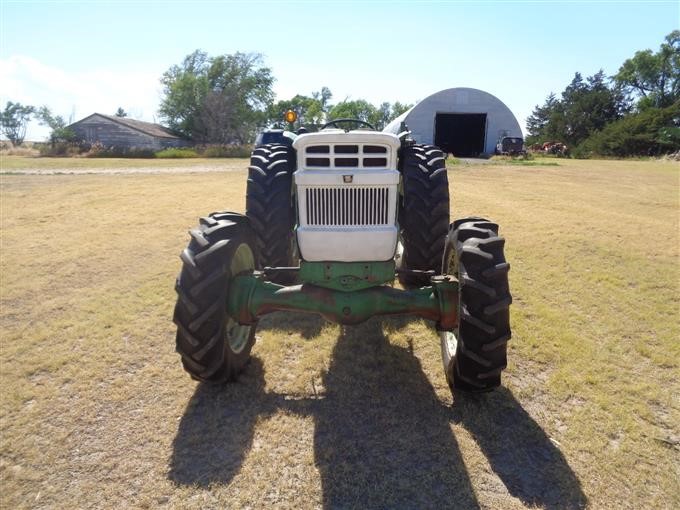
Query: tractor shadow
[
  {"x": 308, "y": 325},
  {"x": 519, "y": 451},
  {"x": 217, "y": 429},
  {"x": 382, "y": 438}
]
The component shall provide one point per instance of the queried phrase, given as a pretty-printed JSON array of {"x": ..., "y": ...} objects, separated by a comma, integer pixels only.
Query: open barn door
[{"x": 461, "y": 134}]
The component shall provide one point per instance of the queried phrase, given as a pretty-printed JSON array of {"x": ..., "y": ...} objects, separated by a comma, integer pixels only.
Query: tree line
[
  {"x": 223, "y": 100},
  {"x": 634, "y": 112},
  {"x": 228, "y": 98}
]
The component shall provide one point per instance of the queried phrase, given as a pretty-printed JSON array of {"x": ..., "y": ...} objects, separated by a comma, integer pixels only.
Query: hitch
[{"x": 251, "y": 296}]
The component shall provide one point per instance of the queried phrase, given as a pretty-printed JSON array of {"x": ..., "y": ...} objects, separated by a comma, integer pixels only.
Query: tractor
[{"x": 331, "y": 224}]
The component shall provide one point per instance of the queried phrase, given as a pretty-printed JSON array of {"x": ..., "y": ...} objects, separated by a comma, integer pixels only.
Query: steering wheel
[{"x": 334, "y": 123}]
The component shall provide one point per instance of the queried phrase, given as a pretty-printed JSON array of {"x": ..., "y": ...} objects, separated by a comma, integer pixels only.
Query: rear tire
[
  {"x": 269, "y": 205},
  {"x": 424, "y": 212},
  {"x": 213, "y": 346},
  {"x": 474, "y": 355}
]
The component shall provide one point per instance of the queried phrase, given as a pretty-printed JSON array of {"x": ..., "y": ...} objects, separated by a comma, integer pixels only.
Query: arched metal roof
[{"x": 420, "y": 119}]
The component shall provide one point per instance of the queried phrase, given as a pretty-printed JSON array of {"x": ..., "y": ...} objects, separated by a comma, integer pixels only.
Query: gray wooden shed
[
  {"x": 462, "y": 121},
  {"x": 124, "y": 133}
]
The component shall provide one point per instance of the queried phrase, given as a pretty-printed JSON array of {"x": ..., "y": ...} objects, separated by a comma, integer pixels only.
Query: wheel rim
[
  {"x": 449, "y": 339},
  {"x": 237, "y": 334}
]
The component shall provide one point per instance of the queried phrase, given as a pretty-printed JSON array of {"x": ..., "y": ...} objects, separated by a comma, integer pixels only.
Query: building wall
[
  {"x": 111, "y": 134},
  {"x": 421, "y": 118}
]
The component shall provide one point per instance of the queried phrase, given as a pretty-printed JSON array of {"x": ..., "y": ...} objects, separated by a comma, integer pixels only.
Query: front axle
[{"x": 252, "y": 296}]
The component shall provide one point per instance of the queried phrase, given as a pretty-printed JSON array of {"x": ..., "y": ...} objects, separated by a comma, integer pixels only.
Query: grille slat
[{"x": 347, "y": 206}]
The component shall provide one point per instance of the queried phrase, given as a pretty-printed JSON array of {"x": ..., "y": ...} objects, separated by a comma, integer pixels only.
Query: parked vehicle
[{"x": 510, "y": 146}]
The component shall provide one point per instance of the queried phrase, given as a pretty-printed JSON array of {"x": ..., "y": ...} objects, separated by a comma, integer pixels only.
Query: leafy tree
[
  {"x": 323, "y": 97},
  {"x": 310, "y": 110},
  {"x": 539, "y": 122},
  {"x": 382, "y": 116},
  {"x": 653, "y": 77},
  {"x": 650, "y": 132},
  {"x": 221, "y": 99},
  {"x": 399, "y": 108},
  {"x": 357, "y": 109},
  {"x": 120, "y": 112},
  {"x": 589, "y": 106},
  {"x": 378, "y": 116},
  {"x": 315, "y": 110},
  {"x": 60, "y": 133},
  {"x": 14, "y": 120},
  {"x": 585, "y": 106}
]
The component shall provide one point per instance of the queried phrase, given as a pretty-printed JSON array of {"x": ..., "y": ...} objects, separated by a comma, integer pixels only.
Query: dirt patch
[{"x": 94, "y": 170}]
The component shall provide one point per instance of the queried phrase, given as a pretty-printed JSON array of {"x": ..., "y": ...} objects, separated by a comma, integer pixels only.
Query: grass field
[{"x": 96, "y": 412}]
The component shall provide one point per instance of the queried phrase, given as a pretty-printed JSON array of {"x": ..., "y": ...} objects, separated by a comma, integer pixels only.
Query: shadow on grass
[
  {"x": 518, "y": 450},
  {"x": 308, "y": 325},
  {"x": 382, "y": 437},
  {"x": 217, "y": 429}
]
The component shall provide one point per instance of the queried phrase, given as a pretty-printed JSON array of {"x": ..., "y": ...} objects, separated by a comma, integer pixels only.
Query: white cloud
[{"x": 78, "y": 94}]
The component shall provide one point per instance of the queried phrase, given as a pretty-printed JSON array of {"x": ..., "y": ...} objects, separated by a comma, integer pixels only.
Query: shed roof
[{"x": 148, "y": 128}]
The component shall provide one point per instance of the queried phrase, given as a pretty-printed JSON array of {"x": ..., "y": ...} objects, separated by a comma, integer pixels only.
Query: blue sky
[{"x": 81, "y": 57}]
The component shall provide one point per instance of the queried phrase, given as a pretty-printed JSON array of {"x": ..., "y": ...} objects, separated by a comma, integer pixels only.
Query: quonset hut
[{"x": 462, "y": 121}]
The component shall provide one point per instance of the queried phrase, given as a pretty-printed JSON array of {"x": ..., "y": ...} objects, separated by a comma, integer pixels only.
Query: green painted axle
[{"x": 251, "y": 297}]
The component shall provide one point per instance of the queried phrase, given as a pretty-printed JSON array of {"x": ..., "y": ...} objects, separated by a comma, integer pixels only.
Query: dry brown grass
[
  {"x": 96, "y": 411},
  {"x": 17, "y": 153}
]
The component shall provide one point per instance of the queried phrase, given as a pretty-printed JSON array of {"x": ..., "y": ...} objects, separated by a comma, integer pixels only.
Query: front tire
[
  {"x": 213, "y": 346},
  {"x": 474, "y": 355},
  {"x": 424, "y": 213},
  {"x": 269, "y": 205}
]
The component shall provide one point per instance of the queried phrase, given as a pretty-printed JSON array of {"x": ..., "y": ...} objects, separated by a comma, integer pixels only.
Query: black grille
[
  {"x": 318, "y": 162},
  {"x": 318, "y": 149},
  {"x": 346, "y": 149},
  {"x": 375, "y": 162},
  {"x": 347, "y": 206},
  {"x": 374, "y": 149}
]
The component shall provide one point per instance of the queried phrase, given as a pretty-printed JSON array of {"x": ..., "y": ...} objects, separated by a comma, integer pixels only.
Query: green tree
[
  {"x": 399, "y": 108},
  {"x": 650, "y": 132},
  {"x": 357, "y": 109},
  {"x": 378, "y": 116},
  {"x": 14, "y": 120},
  {"x": 221, "y": 99},
  {"x": 60, "y": 133},
  {"x": 654, "y": 78},
  {"x": 585, "y": 106},
  {"x": 539, "y": 122},
  {"x": 120, "y": 112},
  {"x": 311, "y": 110},
  {"x": 314, "y": 110},
  {"x": 589, "y": 106},
  {"x": 382, "y": 115},
  {"x": 323, "y": 97}
]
